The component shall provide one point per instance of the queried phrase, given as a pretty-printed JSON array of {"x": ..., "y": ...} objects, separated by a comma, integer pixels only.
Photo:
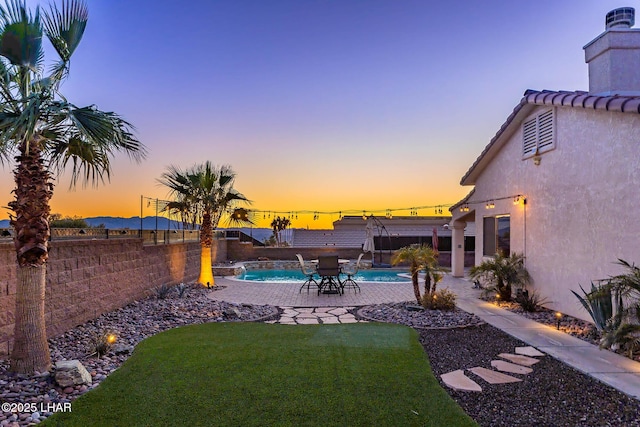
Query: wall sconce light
[{"x": 536, "y": 160}]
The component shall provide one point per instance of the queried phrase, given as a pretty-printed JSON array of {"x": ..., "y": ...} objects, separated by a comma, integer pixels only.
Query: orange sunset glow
[{"x": 317, "y": 106}]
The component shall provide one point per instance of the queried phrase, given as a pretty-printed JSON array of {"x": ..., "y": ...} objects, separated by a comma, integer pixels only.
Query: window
[
  {"x": 538, "y": 134},
  {"x": 497, "y": 235}
]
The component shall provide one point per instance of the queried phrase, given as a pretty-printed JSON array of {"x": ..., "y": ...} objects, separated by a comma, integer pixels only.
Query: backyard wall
[
  {"x": 86, "y": 278},
  {"x": 243, "y": 251}
]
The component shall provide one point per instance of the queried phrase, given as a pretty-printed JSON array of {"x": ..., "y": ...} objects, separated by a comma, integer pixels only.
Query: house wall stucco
[{"x": 581, "y": 200}]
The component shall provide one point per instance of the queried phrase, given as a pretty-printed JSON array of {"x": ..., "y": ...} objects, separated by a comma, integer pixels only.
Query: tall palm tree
[
  {"x": 208, "y": 192},
  {"x": 48, "y": 133}
]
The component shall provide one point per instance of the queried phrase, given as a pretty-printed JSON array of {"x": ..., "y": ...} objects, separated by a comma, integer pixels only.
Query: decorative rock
[
  {"x": 493, "y": 377},
  {"x": 71, "y": 372},
  {"x": 122, "y": 349}
]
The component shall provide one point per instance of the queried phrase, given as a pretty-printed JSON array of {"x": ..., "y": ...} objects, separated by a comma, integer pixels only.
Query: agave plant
[{"x": 599, "y": 304}]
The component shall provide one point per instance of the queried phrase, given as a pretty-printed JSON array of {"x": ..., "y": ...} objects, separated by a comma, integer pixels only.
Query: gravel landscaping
[{"x": 554, "y": 394}]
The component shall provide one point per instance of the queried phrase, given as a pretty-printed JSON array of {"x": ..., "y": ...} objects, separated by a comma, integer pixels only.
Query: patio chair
[
  {"x": 329, "y": 271},
  {"x": 349, "y": 282},
  {"x": 309, "y": 273}
]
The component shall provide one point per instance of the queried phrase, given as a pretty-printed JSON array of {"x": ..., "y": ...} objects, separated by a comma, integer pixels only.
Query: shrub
[
  {"x": 503, "y": 273},
  {"x": 530, "y": 301},
  {"x": 182, "y": 288},
  {"x": 102, "y": 343},
  {"x": 162, "y": 291},
  {"x": 443, "y": 299}
]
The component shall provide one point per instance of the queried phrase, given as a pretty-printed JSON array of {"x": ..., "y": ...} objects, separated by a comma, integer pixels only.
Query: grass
[{"x": 248, "y": 374}]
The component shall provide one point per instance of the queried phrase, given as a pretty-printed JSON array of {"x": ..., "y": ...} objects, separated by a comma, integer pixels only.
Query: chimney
[{"x": 614, "y": 56}]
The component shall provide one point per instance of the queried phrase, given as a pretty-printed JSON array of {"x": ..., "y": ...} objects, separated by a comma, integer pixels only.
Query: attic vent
[
  {"x": 621, "y": 17},
  {"x": 538, "y": 134}
]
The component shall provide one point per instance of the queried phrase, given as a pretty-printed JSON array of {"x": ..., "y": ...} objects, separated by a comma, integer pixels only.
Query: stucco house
[{"x": 560, "y": 181}]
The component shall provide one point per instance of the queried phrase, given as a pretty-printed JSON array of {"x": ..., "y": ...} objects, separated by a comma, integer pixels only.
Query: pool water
[{"x": 286, "y": 276}]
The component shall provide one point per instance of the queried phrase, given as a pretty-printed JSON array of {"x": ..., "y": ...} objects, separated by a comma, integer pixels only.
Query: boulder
[{"x": 71, "y": 372}]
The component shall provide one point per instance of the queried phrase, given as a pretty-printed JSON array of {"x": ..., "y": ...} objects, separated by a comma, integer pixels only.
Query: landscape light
[
  {"x": 111, "y": 338},
  {"x": 558, "y": 317}
]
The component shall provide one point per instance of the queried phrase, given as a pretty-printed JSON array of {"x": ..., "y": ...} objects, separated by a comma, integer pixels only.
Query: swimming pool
[{"x": 296, "y": 276}]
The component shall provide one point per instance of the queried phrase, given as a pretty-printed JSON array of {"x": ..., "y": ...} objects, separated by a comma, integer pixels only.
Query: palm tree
[
  {"x": 207, "y": 192},
  {"x": 504, "y": 272},
  {"x": 279, "y": 224},
  {"x": 418, "y": 257},
  {"x": 48, "y": 133}
]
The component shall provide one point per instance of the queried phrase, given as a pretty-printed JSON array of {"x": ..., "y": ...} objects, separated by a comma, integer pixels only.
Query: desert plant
[
  {"x": 207, "y": 192},
  {"x": 503, "y": 273},
  {"x": 619, "y": 335},
  {"x": 417, "y": 256},
  {"x": 599, "y": 304},
  {"x": 182, "y": 289},
  {"x": 443, "y": 299},
  {"x": 530, "y": 301},
  {"x": 162, "y": 291},
  {"x": 101, "y": 344}
]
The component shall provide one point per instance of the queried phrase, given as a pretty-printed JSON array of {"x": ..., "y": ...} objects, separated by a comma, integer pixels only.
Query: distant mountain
[{"x": 149, "y": 223}]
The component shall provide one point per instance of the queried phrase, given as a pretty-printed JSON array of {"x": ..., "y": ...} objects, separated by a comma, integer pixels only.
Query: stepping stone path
[
  {"x": 315, "y": 316},
  {"x": 457, "y": 380}
]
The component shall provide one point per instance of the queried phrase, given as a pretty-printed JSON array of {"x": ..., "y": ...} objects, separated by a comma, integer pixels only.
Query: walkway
[{"x": 610, "y": 368}]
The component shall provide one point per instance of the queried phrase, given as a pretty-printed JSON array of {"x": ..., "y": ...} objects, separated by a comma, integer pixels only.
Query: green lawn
[{"x": 253, "y": 374}]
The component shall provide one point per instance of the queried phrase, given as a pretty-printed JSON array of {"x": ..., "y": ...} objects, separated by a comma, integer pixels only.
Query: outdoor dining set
[{"x": 329, "y": 268}]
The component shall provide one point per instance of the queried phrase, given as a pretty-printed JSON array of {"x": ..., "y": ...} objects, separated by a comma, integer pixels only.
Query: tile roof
[{"x": 577, "y": 99}]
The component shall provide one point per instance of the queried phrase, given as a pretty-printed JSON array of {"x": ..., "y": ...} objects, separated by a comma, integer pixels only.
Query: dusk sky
[{"x": 346, "y": 105}]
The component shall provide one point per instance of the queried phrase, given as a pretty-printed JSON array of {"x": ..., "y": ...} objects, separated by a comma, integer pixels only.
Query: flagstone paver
[
  {"x": 519, "y": 359},
  {"x": 529, "y": 351},
  {"x": 493, "y": 377},
  {"x": 512, "y": 368},
  {"x": 457, "y": 380}
]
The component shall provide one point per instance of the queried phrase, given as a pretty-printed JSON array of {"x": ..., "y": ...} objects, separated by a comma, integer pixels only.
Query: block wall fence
[{"x": 86, "y": 278}]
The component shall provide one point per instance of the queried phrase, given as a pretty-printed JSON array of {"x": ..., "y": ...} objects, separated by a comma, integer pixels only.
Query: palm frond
[
  {"x": 65, "y": 27},
  {"x": 86, "y": 138},
  {"x": 21, "y": 36}
]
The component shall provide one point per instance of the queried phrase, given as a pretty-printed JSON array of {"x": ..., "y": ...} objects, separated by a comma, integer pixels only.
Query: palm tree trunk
[
  {"x": 30, "y": 349},
  {"x": 206, "y": 241},
  {"x": 31, "y": 208},
  {"x": 427, "y": 281},
  {"x": 416, "y": 285}
]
